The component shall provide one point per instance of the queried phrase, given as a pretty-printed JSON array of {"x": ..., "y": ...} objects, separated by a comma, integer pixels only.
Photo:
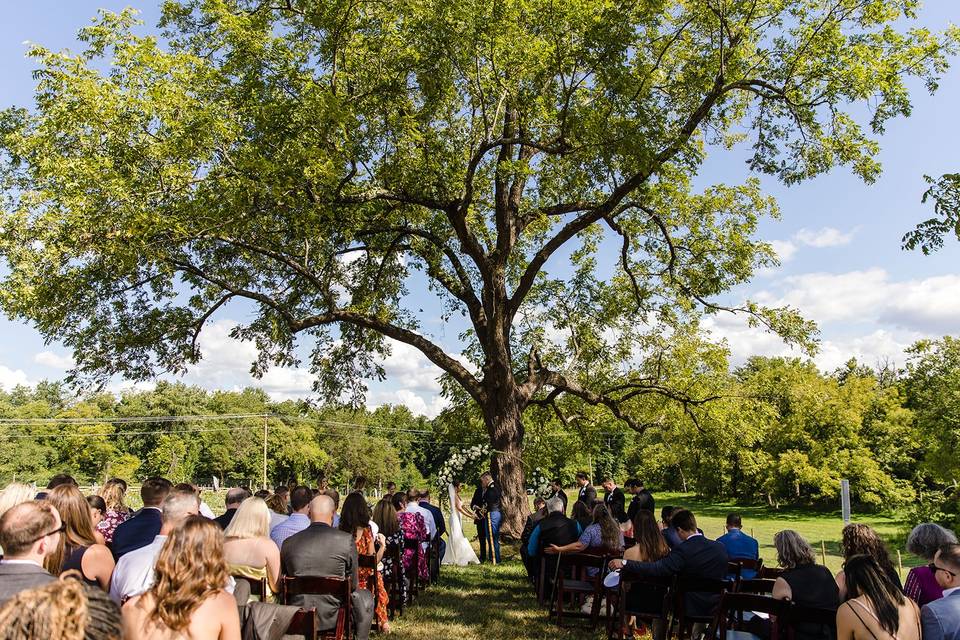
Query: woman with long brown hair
[
  {"x": 385, "y": 517},
  {"x": 649, "y": 546},
  {"x": 355, "y": 519},
  {"x": 188, "y": 597},
  {"x": 78, "y": 548},
  {"x": 859, "y": 539}
]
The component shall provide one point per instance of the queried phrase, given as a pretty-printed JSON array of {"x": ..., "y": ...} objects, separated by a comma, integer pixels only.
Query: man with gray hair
[
  {"x": 232, "y": 502},
  {"x": 554, "y": 528},
  {"x": 133, "y": 574},
  {"x": 325, "y": 552}
]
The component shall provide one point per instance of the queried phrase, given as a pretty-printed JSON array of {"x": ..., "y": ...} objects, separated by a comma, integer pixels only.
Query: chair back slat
[
  {"x": 795, "y": 616},
  {"x": 729, "y": 616},
  {"x": 258, "y": 586},
  {"x": 756, "y": 585},
  {"x": 304, "y": 623},
  {"x": 315, "y": 586}
]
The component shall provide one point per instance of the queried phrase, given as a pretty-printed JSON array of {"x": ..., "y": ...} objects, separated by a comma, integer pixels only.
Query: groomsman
[
  {"x": 490, "y": 500},
  {"x": 615, "y": 500},
  {"x": 587, "y": 493},
  {"x": 558, "y": 492}
]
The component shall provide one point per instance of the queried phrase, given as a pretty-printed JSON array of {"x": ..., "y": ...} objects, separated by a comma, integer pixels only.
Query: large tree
[{"x": 310, "y": 156}]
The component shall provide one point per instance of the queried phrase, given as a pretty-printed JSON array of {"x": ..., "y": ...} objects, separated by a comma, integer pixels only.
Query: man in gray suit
[
  {"x": 941, "y": 618},
  {"x": 325, "y": 552},
  {"x": 29, "y": 532}
]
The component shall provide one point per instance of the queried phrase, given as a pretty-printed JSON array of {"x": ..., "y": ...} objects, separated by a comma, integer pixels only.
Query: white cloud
[
  {"x": 825, "y": 237},
  {"x": 54, "y": 360},
  {"x": 430, "y": 406},
  {"x": 784, "y": 249},
  {"x": 9, "y": 378},
  {"x": 929, "y": 305}
]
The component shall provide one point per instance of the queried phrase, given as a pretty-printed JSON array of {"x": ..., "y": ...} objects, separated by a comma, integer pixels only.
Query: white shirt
[
  {"x": 413, "y": 507},
  {"x": 206, "y": 511},
  {"x": 134, "y": 571}
]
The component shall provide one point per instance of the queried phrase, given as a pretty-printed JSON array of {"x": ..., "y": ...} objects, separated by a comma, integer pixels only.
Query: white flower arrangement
[{"x": 454, "y": 468}]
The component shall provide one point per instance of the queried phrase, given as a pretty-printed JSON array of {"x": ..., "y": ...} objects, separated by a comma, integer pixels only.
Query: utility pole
[{"x": 264, "y": 452}]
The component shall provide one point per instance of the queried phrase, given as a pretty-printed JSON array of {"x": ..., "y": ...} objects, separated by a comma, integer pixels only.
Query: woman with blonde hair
[
  {"x": 248, "y": 549},
  {"x": 188, "y": 598},
  {"x": 15, "y": 493},
  {"x": 113, "y": 492},
  {"x": 78, "y": 548}
]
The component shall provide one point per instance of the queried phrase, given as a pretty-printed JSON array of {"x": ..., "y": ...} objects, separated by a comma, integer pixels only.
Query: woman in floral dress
[
  {"x": 414, "y": 528},
  {"x": 113, "y": 493},
  {"x": 355, "y": 520},
  {"x": 385, "y": 517}
]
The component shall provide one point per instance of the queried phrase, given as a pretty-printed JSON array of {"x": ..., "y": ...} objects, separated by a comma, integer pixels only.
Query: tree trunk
[{"x": 502, "y": 417}]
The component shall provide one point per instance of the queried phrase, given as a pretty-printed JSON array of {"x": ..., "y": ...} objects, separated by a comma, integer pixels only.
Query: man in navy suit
[
  {"x": 739, "y": 545},
  {"x": 440, "y": 522},
  {"x": 143, "y": 527},
  {"x": 696, "y": 557},
  {"x": 940, "y": 619}
]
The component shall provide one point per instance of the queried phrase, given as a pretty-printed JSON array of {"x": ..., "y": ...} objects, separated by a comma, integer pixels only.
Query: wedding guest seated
[
  {"x": 114, "y": 492},
  {"x": 941, "y": 618},
  {"x": 739, "y": 545},
  {"x": 205, "y": 509},
  {"x": 582, "y": 513},
  {"x": 282, "y": 491},
  {"x": 438, "y": 519},
  {"x": 390, "y": 489},
  {"x": 78, "y": 548},
  {"x": 696, "y": 557},
  {"x": 56, "y": 481},
  {"x": 359, "y": 485},
  {"x": 385, "y": 517},
  {"x": 232, "y": 502},
  {"x": 263, "y": 494},
  {"x": 334, "y": 495},
  {"x": 555, "y": 530},
  {"x": 413, "y": 506},
  {"x": 247, "y": 546},
  {"x": 278, "y": 509},
  {"x": 876, "y": 608},
  {"x": 300, "y": 499},
  {"x": 355, "y": 520},
  {"x": 29, "y": 533},
  {"x": 803, "y": 582},
  {"x": 97, "y": 508},
  {"x": 62, "y": 609},
  {"x": 414, "y": 527},
  {"x": 670, "y": 533},
  {"x": 649, "y": 546},
  {"x": 134, "y": 572},
  {"x": 859, "y": 539},
  {"x": 13, "y": 494},
  {"x": 539, "y": 513},
  {"x": 187, "y": 599},
  {"x": 603, "y": 534},
  {"x": 142, "y": 528},
  {"x": 323, "y": 551},
  {"x": 925, "y": 540}
]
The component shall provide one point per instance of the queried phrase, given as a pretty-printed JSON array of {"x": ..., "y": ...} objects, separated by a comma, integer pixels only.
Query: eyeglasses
[
  {"x": 63, "y": 528},
  {"x": 933, "y": 567}
]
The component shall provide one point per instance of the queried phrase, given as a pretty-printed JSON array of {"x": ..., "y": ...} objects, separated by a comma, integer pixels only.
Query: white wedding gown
[{"x": 459, "y": 552}]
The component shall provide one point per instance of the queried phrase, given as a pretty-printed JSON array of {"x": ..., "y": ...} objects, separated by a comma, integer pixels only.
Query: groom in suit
[
  {"x": 490, "y": 502},
  {"x": 941, "y": 618}
]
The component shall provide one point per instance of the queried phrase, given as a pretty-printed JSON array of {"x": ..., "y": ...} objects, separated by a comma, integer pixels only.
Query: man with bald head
[
  {"x": 322, "y": 551},
  {"x": 29, "y": 532}
]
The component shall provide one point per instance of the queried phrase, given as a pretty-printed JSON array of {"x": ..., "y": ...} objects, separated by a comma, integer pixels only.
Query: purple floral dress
[
  {"x": 111, "y": 520},
  {"x": 414, "y": 528}
]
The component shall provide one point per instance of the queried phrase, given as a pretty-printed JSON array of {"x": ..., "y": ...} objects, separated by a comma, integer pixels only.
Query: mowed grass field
[{"x": 489, "y": 603}]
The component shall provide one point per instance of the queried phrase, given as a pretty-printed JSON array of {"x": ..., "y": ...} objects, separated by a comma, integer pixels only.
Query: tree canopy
[{"x": 310, "y": 156}]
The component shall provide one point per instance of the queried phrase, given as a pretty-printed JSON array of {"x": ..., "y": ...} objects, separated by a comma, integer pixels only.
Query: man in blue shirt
[
  {"x": 300, "y": 499},
  {"x": 739, "y": 545}
]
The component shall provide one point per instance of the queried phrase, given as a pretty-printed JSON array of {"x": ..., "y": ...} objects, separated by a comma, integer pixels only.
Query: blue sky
[{"x": 839, "y": 241}]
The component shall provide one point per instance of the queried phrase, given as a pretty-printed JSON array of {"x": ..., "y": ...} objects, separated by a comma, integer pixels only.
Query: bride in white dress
[{"x": 459, "y": 552}]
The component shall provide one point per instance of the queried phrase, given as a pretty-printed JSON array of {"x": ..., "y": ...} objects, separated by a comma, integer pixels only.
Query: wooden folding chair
[
  {"x": 412, "y": 572},
  {"x": 340, "y": 588},
  {"x": 394, "y": 583},
  {"x": 372, "y": 583},
  {"x": 258, "y": 586},
  {"x": 619, "y": 610},
  {"x": 809, "y": 618},
  {"x": 728, "y": 623},
  {"x": 770, "y": 573},
  {"x": 573, "y": 580},
  {"x": 304, "y": 623},
  {"x": 682, "y": 588}
]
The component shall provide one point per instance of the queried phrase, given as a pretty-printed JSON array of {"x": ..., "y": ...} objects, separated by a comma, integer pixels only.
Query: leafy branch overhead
[{"x": 533, "y": 160}]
